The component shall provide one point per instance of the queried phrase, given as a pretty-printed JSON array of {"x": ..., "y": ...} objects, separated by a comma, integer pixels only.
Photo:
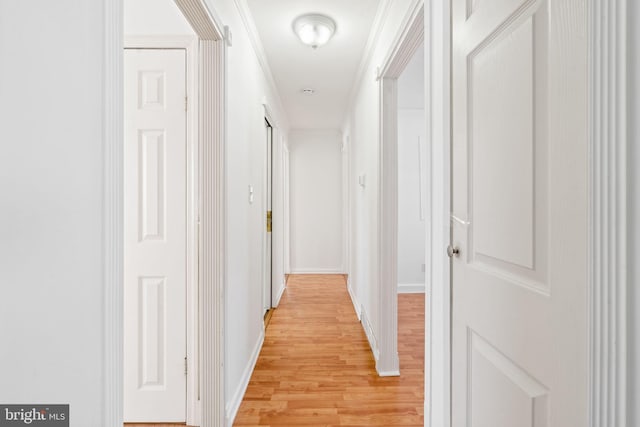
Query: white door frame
[
  {"x": 267, "y": 270},
  {"x": 399, "y": 56},
  {"x": 607, "y": 254},
  {"x": 211, "y": 89},
  {"x": 190, "y": 45},
  {"x": 277, "y": 249}
]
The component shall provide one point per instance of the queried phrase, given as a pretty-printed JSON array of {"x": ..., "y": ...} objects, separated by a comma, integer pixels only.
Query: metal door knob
[{"x": 451, "y": 251}]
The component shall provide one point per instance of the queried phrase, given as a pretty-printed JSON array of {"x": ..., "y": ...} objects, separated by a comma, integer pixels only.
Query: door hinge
[
  {"x": 186, "y": 366},
  {"x": 186, "y": 103}
]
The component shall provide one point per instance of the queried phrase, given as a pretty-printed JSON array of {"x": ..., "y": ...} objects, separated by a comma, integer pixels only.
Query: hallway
[{"x": 316, "y": 367}]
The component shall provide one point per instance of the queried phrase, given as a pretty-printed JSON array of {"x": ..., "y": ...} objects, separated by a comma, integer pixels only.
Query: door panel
[
  {"x": 155, "y": 236},
  {"x": 519, "y": 286}
]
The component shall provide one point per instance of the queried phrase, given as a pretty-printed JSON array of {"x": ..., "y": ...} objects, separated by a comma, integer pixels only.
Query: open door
[{"x": 519, "y": 213}]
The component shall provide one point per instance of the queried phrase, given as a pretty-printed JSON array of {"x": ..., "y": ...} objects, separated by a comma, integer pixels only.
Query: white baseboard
[
  {"x": 411, "y": 288},
  {"x": 316, "y": 271},
  {"x": 354, "y": 300},
  {"x": 389, "y": 373},
  {"x": 371, "y": 337},
  {"x": 279, "y": 295},
  {"x": 234, "y": 404}
]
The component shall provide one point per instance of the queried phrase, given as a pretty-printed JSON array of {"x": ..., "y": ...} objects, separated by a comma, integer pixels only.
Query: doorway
[
  {"x": 174, "y": 338},
  {"x": 268, "y": 302},
  {"x": 391, "y": 229}
]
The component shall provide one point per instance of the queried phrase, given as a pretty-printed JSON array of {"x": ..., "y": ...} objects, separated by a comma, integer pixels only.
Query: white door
[
  {"x": 268, "y": 286},
  {"x": 155, "y": 236},
  {"x": 519, "y": 207}
]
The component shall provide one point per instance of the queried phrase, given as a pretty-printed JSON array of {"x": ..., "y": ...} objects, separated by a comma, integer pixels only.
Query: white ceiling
[{"x": 330, "y": 69}]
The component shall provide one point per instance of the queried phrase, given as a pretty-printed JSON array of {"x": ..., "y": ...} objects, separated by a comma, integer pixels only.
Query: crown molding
[
  {"x": 252, "y": 31},
  {"x": 378, "y": 22},
  {"x": 404, "y": 46}
]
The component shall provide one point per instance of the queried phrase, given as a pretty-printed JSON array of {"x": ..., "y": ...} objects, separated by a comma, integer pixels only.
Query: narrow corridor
[{"x": 316, "y": 367}]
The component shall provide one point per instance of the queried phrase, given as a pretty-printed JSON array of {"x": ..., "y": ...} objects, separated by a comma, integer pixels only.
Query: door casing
[
  {"x": 213, "y": 40},
  {"x": 387, "y": 363},
  {"x": 267, "y": 289}
]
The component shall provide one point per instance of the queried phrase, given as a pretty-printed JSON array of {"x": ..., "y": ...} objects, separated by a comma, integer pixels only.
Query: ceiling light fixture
[{"x": 314, "y": 29}]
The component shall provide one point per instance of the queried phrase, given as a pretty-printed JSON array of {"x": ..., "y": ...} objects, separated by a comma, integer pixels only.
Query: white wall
[
  {"x": 633, "y": 92},
  {"x": 316, "y": 202},
  {"x": 154, "y": 17},
  {"x": 362, "y": 127},
  {"x": 411, "y": 225},
  {"x": 51, "y": 311},
  {"x": 411, "y": 83},
  {"x": 411, "y": 175}
]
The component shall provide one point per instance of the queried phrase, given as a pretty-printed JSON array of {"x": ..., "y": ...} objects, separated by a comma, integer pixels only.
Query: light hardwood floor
[{"x": 316, "y": 367}]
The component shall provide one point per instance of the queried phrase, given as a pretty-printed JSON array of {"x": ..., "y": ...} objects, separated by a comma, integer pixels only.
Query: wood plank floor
[{"x": 316, "y": 367}]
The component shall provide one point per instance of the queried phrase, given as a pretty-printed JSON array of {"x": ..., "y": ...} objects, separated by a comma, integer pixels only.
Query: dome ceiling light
[{"x": 314, "y": 29}]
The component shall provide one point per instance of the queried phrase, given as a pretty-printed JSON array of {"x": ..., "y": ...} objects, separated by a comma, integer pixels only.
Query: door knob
[{"x": 451, "y": 251}]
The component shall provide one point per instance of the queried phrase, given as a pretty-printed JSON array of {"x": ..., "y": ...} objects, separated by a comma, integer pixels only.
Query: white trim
[
  {"x": 388, "y": 228},
  {"x": 256, "y": 43},
  {"x": 411, "y": 288},
  {"x": 213, "y": 247},
  {"x": 401, "y": 52},
  {"x": 286, "y": 208},
  {"x": 113, "y": 221},
  {"x": 318, "y": 271},
  {"x": 405, "y": 44},
  {"x": 275, "y": 183},
  {"x": 354, "y": 300},
  {"x": 190, "y": 45},
  {"x": 346, "y": 203},
  {"x": 231, "y": 409},
  {"x": 213, "y": 228},
  {"x": 371, "y": 337},
  {"x": 204, "y": 21},
  {"x": 437, "y": 309},
  {"x": 607, "y": 310},
  {"x": 278, "y": 297},
  {"x": 374, "y": 33}
]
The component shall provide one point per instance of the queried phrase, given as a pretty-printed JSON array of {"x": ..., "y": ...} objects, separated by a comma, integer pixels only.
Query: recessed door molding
[
  {"x": 211, "y": 89},
  {"x": 607, "y": 213}
]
